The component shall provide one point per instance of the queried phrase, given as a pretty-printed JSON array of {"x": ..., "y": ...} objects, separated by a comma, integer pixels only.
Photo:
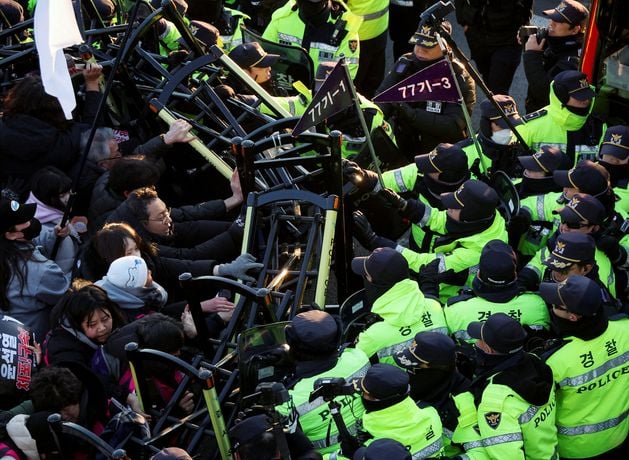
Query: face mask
[
  {"x": 33, "y": 230},
  {"x": 373, "y": 291},
  {"x": 373, "y": 406},
  {"x": 502, "y": 137},
  {"x": 580, "y": 111}
]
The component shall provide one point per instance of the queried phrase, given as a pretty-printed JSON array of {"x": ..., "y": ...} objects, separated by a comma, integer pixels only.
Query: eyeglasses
[
  {"x": 575, "y": 225},
  {"x": 558, "y": 307},
  {"x": 164, "y": 215}
]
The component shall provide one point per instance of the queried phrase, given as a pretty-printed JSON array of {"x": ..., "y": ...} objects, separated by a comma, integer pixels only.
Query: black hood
[{"x": 530, "y": 378}]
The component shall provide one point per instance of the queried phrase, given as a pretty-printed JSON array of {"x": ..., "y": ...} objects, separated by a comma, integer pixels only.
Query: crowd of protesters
[{"x": 495, "y": 333}]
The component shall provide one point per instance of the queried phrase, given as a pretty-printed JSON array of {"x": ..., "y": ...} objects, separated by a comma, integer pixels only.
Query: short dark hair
[
  {"x": 160, "y": 332},
  {"x": 262, "y": 447},
  {"x": 139, "y": 200},
  {"x": 109, "y": 242},
  {"x": 130, "y": 173},
  {"x": 53, "y": 388},
  {"x": 48, "y": 183}
]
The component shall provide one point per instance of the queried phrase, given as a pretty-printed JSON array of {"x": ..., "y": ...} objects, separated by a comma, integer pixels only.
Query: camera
[
  {"x": 526, "y": 31},
  {"x": 330, "y": 388},
  {"x": 268, "y": 394},
  {"x": 437, "y": 12}
]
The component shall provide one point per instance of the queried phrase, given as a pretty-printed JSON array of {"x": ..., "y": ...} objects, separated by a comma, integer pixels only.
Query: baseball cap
[
  {"x": 248, "y": 430},
  {"x": 547, "y": 159},
  {"x": 586, "y": 176},
  {"x": 314, "y": 331},
  {"x": 497, "y": 265},
  {"x": 501, "y": 332},
  {"x": 571, "y": 248},
  {"x": 582, "y": 207},
  {"x": 573, "y": 83},
  {"x": 426, "y": 34},
  {"x": 578, "y": 294},
  {"x": 616, "y": 142},
  {"x": 508, "y": 106},
  {"x": 13, "y": 213},
  {"x": 172, "y": 453},
  {"x": 204, "y": 32},
  {"x": 476, "y": 199},
  {"x": 450, "y": 161},
  {"x": 383, "y": 448},
  {"x": 385, "y": 266},
  {"x": 568, "y": 11},
  {"x": 252, "y": 55},
  {"x": 384, "y": 381},
  {"x": 128, "y": 272},
  {"x": 427, "y": 348}
]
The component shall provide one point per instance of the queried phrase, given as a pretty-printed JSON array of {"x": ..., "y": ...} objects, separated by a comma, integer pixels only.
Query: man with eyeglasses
[
  {"x": 590, "y": 371},
  {"x": 583, "y": 214}
]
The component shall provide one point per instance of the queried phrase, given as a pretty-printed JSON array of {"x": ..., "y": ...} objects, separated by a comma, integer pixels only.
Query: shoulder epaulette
[
  {"x": 402, "y": 64},
  {"x": 459, "y": 298},
  {"x": 533, "y": 115},
  {"x": 465, "y": 143}
]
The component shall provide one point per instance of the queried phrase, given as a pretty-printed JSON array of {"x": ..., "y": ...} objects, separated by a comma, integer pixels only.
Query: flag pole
[
  {"x": 363, "y": 123},
  {"x": 122, "y": 50},
  {"x": 468, "y": 120}
]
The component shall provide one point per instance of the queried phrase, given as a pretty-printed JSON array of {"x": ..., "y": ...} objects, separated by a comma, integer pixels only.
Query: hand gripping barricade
[{"x": 206, "y": 421}]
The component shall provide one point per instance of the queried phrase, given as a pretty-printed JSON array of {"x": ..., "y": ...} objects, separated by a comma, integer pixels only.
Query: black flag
[{"x": 333, "y": 97}]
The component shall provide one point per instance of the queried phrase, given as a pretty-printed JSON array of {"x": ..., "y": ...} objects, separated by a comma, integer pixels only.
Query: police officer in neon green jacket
[
  {"x": 391, "y": 413},
  {"x": 494, "y": 290},
  {"x": 590, "y": 369},
  {"x": 314, "y": 339},
  {"x": 324, "y": 28},
  {"x": 398, "y": 301},
  {"x": 569, "y": 110},
  {"x": 468, "y": 223},
  {"x": 515, "y": 393},
  {"x": 583, "y": 215}
]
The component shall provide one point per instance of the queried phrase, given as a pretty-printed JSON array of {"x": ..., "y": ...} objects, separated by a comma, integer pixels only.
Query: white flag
[{"x": 56, "y": 28}]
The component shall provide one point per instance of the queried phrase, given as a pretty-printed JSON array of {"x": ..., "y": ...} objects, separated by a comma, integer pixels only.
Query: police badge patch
[
  {"x": 492, "y": 419},
  {"x": 353, "y": 45}
]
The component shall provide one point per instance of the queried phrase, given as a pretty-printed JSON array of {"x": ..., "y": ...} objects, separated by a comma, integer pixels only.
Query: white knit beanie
[{"x": 128, "y": 272}]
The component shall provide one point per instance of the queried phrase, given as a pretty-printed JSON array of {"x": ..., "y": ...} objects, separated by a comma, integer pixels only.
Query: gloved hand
[
  {"x": 611, "y": 247},
  {"x": 363, "y": 231},
  {"x": 519, "y": 224},
  {"x": 413, "y": 211},
  {"x": 392, "y": 199},
  {"x": 364, "y": 179},
  {"x": 427, "y": 279},
  {"x": 239, "y": 267}
]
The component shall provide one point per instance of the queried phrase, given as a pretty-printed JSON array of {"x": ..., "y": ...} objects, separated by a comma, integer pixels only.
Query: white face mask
[{"x": 502, "y": 137}]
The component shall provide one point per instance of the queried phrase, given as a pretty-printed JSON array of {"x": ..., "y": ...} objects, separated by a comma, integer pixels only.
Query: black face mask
[
  {"x": 617, "y": 173},
  {"x": 373, "y": 291},
  {"x": 437, "y": 188},
  {"x": 532, "y": 186},
  {"x": 373, "y": 406},
  {"x": 314, "y": 13},
  {"x": 580, "y": 111},
  {"x": 33, "y": 230}
]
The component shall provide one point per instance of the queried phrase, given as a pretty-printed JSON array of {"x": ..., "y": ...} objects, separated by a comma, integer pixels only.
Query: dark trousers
[
  {"x": 371, "y": 65},
  {"x": 403, "y": 23},
  {"x": 497, "y": 66}
]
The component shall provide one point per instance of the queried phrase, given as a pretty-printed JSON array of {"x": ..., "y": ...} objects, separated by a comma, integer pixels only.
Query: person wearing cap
[
  {"x": 495, "y": 290},
  {"x": 314, "y": 338},
  {"x": 31, "y": 283},
  {"x": 498, "y": 143},
  {"x": 398, "y": 300},
  {"x": 582, "y": 214},
  {"x": 442, "y": 170},
  {"x": 516, "y": 412},
  {"x": 327, "y": 30},
  {"x": 558, "y": 50},
  {"x": 256, "y": 62},
  {"x": 570, "y": 110},
  {"x": 383, "y": 448},
  {"x": 227, "y": 20},
  {"x": 391, "y": 413},
  {"x": 490, "y": 30},
  {"x": 469, "y": 221},
  {"x": 590, "y": 371},
  {"x": 253, "y": 439},
  {"x": 420, "y": 126},
  {"x": 430, "y": 362}
]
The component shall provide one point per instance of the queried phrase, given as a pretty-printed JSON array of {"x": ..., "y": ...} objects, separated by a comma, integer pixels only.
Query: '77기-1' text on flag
[{"x": 434, "y": 83}]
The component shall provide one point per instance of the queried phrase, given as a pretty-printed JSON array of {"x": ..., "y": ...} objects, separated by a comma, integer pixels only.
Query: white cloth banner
[{"x": 56, "y": 28}]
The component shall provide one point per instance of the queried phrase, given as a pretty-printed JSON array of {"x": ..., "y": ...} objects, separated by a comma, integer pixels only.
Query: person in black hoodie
[{"x": 511, "y": 387}]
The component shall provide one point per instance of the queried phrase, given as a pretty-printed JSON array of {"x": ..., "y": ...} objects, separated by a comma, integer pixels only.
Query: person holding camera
[
  {"x": 549, "y": 51},
  {"x": 314, "y": 338}
]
